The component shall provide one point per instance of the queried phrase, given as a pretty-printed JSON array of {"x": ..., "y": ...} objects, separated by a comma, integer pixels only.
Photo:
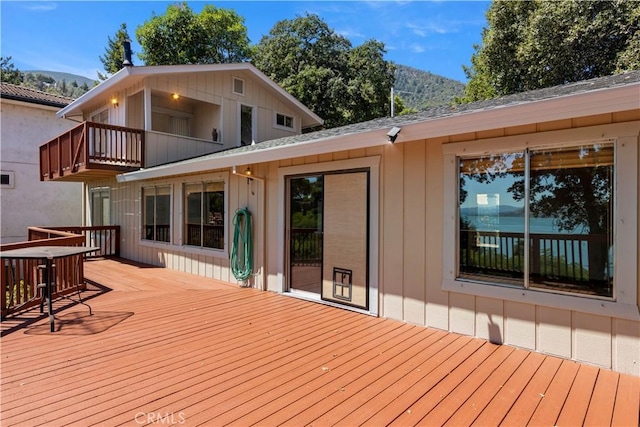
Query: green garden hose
[{"x": 242, "y": 246}]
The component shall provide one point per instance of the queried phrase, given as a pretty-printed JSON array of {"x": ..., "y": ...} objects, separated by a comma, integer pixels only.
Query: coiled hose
[{"x": 242, "y": 246}]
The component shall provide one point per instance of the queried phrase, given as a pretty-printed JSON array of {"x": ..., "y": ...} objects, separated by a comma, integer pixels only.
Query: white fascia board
[
  {"x": 144, "y": 71},
  {"x": 95, "y": 92},
  {"x": 300, "y": 149},
  {"x": 570, "y": 106},
  {"x": 565, "y": 107}
]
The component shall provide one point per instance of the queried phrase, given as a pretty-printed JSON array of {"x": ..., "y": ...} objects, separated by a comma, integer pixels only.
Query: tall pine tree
[{"x": 113, "y": 58}]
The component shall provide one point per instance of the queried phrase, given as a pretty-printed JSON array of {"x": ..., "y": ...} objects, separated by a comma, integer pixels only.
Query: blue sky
[{"x": 69, "y": 36}]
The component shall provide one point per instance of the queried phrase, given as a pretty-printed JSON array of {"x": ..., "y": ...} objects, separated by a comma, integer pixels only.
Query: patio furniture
[{"x": 48, "y": 254}]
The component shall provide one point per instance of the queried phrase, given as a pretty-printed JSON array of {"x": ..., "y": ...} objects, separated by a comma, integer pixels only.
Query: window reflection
[{"x": 564, "y": 212}]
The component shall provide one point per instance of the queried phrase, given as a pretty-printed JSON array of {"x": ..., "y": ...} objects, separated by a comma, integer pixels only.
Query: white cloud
[
  {"x": 43, "y": 6},
  {"x": 417, "y": 48}
]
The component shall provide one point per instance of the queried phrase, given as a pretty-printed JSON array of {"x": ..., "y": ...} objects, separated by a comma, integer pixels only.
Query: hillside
[
  {"x": 59, "y": 76},
  {"x": 422, "y": 89},
  {"x": 418, "y": 89},
  {"x": 65, "y": 84}
]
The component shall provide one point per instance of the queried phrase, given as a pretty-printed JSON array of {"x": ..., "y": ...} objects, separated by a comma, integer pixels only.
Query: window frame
[
  {"x": 285, "y": 117},
  {"x": 225, "y": 216},
  {"x": 172, "y": 114},
  {"x": 254, "y": 124},
  {"x": 624, "y": 136},
  {"x": 100, "y": 191},
  {"x": 143, "y": 214}
]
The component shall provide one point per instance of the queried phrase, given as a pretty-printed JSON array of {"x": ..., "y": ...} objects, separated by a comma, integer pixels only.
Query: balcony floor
[{"x": 171, "y": 347}]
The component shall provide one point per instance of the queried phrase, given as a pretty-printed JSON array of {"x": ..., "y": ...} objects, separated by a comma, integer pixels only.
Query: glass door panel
[{"x": 306, "y": 233}]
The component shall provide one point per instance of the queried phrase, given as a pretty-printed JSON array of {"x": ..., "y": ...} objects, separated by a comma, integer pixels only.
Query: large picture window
[
  {"x": 157, "y": 213},
  {"x": 204, "y": 215},
  {"x": 539, "y": 219}
]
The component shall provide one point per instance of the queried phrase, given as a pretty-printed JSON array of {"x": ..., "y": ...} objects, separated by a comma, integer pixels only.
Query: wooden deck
[{"x": 172, "y": 348}]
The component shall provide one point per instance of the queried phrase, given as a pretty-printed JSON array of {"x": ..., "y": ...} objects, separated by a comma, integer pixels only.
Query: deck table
[{"x": 48, "y": 254}]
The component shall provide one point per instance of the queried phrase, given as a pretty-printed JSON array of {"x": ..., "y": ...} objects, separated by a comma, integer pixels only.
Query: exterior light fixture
[
  {"x": 175, "y": 96},
  {"x": 393, "y": 134},
  {"x": 247, "y": 173},
  {"x": 114, "y": 101}
]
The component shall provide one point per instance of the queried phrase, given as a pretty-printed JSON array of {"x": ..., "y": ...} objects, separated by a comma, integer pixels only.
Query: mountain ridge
[{"x": 418, "y": 89}]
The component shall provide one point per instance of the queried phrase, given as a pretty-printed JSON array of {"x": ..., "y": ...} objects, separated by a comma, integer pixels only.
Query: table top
[{"x": 47, "y": 252}]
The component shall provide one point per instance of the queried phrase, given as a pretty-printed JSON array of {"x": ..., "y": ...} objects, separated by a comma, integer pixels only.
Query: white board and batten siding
[
  {"x": 412, "y": 213},
  {"x": 413, "y": 191},
  {"x": 126, "y": 211}
]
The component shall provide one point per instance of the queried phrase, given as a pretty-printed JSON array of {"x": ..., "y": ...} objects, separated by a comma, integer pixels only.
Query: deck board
[{"x": 197, "y": 351}]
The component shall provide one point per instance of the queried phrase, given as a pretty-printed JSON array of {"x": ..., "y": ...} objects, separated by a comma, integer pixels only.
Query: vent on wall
[
  {"x": 238, "y": 86},
  {"x": 6, "y": 179}
]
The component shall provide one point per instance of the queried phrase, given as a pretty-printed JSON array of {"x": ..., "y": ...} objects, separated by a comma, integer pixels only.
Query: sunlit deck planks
[{"x": 195, "y": 351}]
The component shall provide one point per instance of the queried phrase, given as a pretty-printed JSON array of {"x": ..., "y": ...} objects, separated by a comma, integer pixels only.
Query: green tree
[
  {"x": 113, "y": 58},
  {"x": 535, "y": 44},
  {"x": 181, "y": 36},
  {"x": 320, "y": 68},
  {"x": 9, "y": 73}
]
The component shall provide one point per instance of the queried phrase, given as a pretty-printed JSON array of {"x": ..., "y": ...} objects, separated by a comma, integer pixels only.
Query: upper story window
[
  {"x": 238, "y": 86},
  {"x": 171, "y": 121},
  {"x": 539, "y": 218},
  {"x": 204, "y": 214},
  {"x": 284, "y": 121},
  {"x": 156, "y": 215},
  {"x": 101, "y": 116}
]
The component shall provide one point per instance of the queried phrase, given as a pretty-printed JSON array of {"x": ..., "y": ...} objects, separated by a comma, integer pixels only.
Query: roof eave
[
  {"x": 312, "y": 119},
  {"x": 583, "y": 104},
  {"x": 94, "y": 92}
]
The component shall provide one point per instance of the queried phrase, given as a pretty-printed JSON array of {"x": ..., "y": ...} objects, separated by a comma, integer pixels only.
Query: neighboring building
[
  {"x": 28, "y": 117},
  {"x": 513, "y": 220}
]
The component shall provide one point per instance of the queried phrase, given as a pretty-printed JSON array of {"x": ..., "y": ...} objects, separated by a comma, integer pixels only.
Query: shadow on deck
[{"x": 170, "y": 347}]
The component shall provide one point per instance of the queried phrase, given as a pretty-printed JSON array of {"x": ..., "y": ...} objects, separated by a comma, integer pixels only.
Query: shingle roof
[
  {"x": 26, "y": 94},
  {"x": 445, "y": 111},
  {"x": 259, "y": 151}
]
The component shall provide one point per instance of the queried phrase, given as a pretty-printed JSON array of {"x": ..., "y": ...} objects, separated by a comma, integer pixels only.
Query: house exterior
[
  {"x": 29, "y": 116},
  {"x": 513, "y": 220}
]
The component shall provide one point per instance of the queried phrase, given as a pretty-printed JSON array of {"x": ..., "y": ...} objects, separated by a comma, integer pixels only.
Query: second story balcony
[{"x": 92, "y": 151}]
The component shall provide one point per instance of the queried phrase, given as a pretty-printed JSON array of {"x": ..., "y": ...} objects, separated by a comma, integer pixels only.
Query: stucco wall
[{"x": 31, "y": 202}]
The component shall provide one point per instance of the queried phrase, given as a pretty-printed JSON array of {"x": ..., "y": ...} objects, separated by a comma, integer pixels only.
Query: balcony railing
[
  {"x": 19, "y": 277},
  {"x": 575, "y": 263},
  {"x": 92, "y": 150}
]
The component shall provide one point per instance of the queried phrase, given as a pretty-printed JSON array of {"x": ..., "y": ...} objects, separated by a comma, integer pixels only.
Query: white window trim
[
  {"x": 281, "y": 127},
  {"x": 625, "y": 137},
  {"x": 99, "y": 111},
  {"x": 233, "y": 86},
  {"x": 373, "y": 163},
  {"x": 142, "y": 202},
  {"x": 12, "y": 181},
  {"x": 254, "y": 123},
  {"x": 177, "y": 215},
  {"x": 92, "y": 191}
]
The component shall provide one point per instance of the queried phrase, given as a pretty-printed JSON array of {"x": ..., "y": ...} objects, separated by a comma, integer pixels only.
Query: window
[
  {"x": 204, "y": 207},
  {"x": 284, "y": 121},
  {"x": 238, "y": 86},
  {"x": 156, "y": 213},
  {"x": 100, "y": 207},
  {"x": 173, "y": 122},
  {"x": 6, "y": 179},
  {"x": 101, "y": 116},
  {"x": 247, "y": 136},
  {"x": 539, "y": 219}
]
